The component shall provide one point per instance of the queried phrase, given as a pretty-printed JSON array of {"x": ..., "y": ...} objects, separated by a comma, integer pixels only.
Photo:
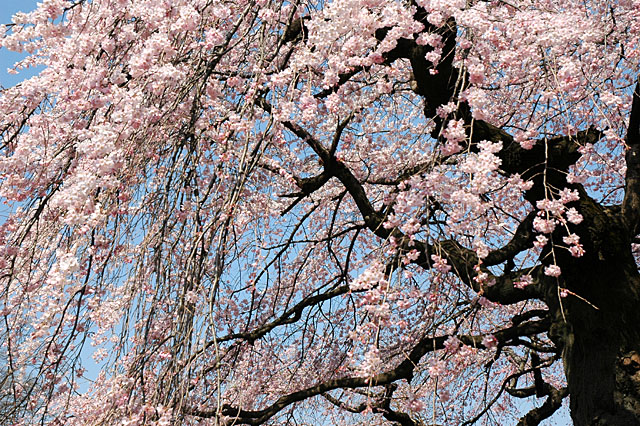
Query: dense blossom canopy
[{"x": 350, "y": 212}]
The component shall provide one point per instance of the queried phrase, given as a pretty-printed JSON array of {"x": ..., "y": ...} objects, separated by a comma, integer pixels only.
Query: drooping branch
[{"x": 405, "y": 370}]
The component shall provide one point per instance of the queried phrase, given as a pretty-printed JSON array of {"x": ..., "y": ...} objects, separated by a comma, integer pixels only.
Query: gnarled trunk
[{"x": 597, "y": 324}]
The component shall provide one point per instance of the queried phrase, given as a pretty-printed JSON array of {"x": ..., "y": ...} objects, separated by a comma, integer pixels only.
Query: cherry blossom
[
  {"x": 261, "y": 212},
  {"x": 552, "y": 271}
]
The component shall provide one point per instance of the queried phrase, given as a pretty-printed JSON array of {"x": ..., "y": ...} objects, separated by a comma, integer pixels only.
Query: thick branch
[
  {"x": 549, "y": 156},
  {"x": 522, "y": 240},
  {"x": 500, "y": 289},
  {"x": 550, "y": 406},
  {"x": 462, "y": 259},
  {"x": 340, "y": 404},
  {"x": 297, "y": 30}
]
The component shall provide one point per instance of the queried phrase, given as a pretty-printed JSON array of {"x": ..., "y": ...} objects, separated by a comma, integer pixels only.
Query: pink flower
[
  {"x": 392, "y": 221},
  {"x": 545, "y": 226},
  {"x": 413, "y": 255},
  {"x": 573, "y": 216},
  {"x": 525, "y": 139},
  {"x": 416, "y": 405},
  {"x": 571, "y": 239},
  {"x": 371, "y": 362},
  {"x": 440, "y": 264},
  {"x": 554, "y": 206},
  {"x": 483, "y": 277},
  {"x": 450, "y": 148},
  {"x": 452, "y": 345},
  {"x": 524, "y": 281},
  {"x": 446, "y": 109},
  {"x": 437, "y": 368},
  {"x": 481, "y": 249},
  {"x": 571, "y": 178},
  {"x": 540, "y": 241},
  {"x": 552, "y": 271},
  {"x": 489, "y": 341},
  {"x": 567, "y": 195},
  {"x": 455, "y": 131},
  {"x": 577, "y": 250}
]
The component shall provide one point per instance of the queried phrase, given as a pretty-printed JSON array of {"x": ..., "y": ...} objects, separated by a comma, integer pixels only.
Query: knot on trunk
[{"x": 631, "y": 362}]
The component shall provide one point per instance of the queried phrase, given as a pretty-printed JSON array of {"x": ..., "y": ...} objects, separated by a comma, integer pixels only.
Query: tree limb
[
  {"x": 550, "y": 406},
  {"x": 405, "y": 370},
  {"x": 521, "y": 240}
]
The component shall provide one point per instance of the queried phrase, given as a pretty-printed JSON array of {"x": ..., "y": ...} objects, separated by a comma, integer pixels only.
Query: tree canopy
[{"x": 246, "y": 212}]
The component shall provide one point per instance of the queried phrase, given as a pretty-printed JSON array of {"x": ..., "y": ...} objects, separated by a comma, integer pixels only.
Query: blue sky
[{"x": 7, "y": 9}]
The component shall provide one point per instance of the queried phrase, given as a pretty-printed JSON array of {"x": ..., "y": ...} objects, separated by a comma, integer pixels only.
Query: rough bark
[{"x": 596, "y": 326}]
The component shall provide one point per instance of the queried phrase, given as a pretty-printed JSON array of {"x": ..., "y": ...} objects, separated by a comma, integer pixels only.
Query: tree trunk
[{"x": 597, "y": 325}]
